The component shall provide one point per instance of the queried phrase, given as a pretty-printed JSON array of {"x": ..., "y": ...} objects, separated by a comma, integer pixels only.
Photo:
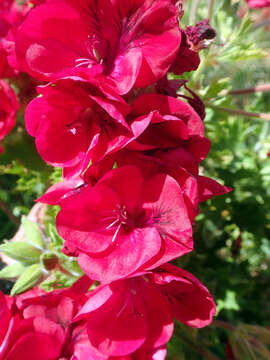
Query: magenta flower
[
  {"x": 22, "y": 337},
  {"x": 178, "y": 163},
  {"x": 11, "y": 14},
  {"x": 75, "y": 122},
  {"x": 258, "y": 3},
  {"x": 129, "y": 42},
  {"x": 38, "y": 325},
  {"x": 8, "y": 109},
  {"x": 175, "y": 160},
  {"x": 113, "y": 322},
  {"x": 125, "y": 223},
  {"x": 172, "y": 87},
  {"x": 174, "y": 123},
  {"x": 137, "y": 313},
  {"x": 81, "y": 349}
]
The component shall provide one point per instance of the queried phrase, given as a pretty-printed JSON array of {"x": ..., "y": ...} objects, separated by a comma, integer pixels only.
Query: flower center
[{"x": 122, "y": 220}]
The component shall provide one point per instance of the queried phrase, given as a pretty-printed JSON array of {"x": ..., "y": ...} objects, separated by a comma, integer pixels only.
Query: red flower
[
  {"x": 133, "y": 314},
  {"x": 130, "y": 42},
  {"x": 178, "y": 163},
  {"x": 83, "y": 350},
  {"x": 125, "y": 223},
  {"x": 77, "y": 121},
  {"x": 175, "y": 160},
  {"x": 27, "y": 338},
  {"x": 148, "y": 165},
  {"x": 112, "y": 322},
  {"x": 8, "y": 109},
  {"x": 190, "y": 301},
  {"x": 171, "y": 87},
  {"x": 11, "y": 14},
  {"x": 38, "y": 325},
  {"x": 5, "y": 70},
  {"x": 174, "y": 123}
]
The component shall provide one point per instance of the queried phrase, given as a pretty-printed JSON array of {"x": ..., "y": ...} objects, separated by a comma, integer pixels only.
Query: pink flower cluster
[{"x": 130, "y": 148}]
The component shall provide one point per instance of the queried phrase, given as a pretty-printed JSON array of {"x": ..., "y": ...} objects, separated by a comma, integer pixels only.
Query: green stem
[
  {"x": 197, "y": 73},
  {"x": 262, "y": 116}
]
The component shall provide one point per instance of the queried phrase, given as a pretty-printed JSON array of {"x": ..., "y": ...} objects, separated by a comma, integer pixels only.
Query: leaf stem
[
  {"x": 262, "y": 23},
  {"x": 262, "y": 116},
  {"x": 252, "y": 90}
]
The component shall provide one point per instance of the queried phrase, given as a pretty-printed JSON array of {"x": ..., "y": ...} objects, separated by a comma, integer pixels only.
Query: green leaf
[
  {"x": 30, "y": 277},
  {"x": 245, "y": 27},
  {"x": 12, "y": 271},
  {"x": 21, "y": 251},
  {"x": 33, "y": 233},
  {"x": 229, "y": 303}
]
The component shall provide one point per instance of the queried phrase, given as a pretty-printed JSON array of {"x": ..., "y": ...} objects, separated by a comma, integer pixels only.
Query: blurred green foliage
[{"x": 232, "y": 232}]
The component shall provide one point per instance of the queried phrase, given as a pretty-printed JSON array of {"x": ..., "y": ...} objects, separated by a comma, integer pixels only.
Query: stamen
[
  {"x": 82, "y": 59},
  {"x": 116, "y": 232},
  {"x": 123, "y": 307},
  {"x": 88, "y": 63},
  {"x": 112, "y": 224}
]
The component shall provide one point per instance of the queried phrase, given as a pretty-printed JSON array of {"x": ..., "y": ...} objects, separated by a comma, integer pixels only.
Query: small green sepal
[
  {"x": 21, "y": 251},
  {"x": 33, "y": 234},
  {"x": 29, "y": 278},
  {"x": 12, "y": 271}
]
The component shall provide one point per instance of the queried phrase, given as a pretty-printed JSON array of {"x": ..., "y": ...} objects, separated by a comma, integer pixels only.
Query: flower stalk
[{"x": 262, "y": 116}]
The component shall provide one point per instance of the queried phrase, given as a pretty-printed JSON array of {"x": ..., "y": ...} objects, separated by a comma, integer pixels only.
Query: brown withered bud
[{"x": 200, "y": 36}]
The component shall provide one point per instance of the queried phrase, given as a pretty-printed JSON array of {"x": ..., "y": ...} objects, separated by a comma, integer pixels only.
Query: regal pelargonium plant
[{"x": 130, "y": 149}]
